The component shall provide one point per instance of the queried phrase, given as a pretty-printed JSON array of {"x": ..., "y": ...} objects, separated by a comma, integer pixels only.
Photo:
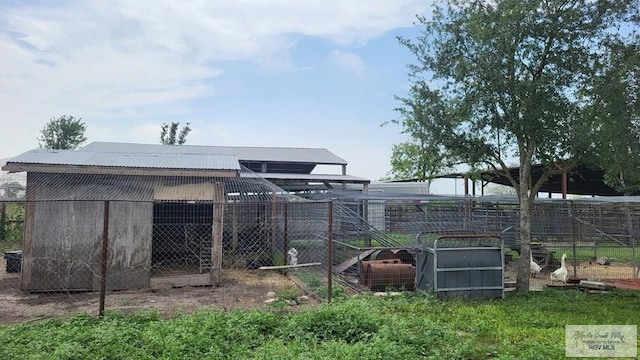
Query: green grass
[
  {"x": 317, "y": 284},
  {"x": 614, "y": 254},
  {"x": 410, "y": 326}
]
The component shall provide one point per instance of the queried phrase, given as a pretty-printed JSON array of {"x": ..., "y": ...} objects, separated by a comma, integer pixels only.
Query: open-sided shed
[{"x": 149, "y": 206}]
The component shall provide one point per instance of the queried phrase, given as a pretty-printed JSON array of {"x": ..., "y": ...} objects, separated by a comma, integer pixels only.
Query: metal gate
[{"x": 461, "y": 265}]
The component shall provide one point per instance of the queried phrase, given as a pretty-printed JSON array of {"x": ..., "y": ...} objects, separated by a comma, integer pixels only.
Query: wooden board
[
  {"x": 340, "y": 268},
  {"x": 562, "y": 286},
  {"x": 288, "y": 266},
  {"x": 595, "y": 285}
]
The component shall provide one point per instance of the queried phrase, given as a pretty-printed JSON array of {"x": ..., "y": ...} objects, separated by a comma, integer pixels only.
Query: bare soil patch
[
  {"x": 240, "y": 289},
  {"x": 246, "y": 289}
]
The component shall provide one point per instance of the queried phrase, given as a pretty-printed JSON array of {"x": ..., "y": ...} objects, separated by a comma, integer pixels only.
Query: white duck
[
  {"x": 561, "y": 274},
  {"x": 534, "y": 267}
]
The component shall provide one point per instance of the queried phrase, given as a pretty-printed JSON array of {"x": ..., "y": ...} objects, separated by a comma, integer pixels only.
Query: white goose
[
  {"x": 561, "y": 274},
  {"x": 534, "y": 267}
]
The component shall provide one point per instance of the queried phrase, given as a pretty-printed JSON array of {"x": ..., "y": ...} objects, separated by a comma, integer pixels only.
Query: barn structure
[{"x": 144, "y": 210}]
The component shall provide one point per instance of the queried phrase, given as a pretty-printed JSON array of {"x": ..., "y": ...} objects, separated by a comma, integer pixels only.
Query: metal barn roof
[
  {"x": 243, "y": 153},
  {"x": 308, "y": 177},
  {"x": 289, "y": 168},
  {"x": 122, "y": 160},
  {"x": 305, "y": 182}
]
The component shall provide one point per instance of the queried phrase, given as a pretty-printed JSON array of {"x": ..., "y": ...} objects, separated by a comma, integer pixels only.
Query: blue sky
[{"x": 286, "y": 73}]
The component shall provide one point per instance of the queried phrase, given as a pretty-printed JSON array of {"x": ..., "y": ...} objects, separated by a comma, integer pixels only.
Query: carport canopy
[{"x": 581, "y": 181}]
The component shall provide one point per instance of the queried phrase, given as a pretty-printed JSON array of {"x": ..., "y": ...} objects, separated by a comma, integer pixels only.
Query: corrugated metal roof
[
  {"x": 306, "y": 177},
  {"x": 128, "y": 160},
  {"x": 275, "y": 154}
]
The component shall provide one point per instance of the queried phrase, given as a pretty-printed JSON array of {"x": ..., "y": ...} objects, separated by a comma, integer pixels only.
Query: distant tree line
[{"x": 67, "y": 133}]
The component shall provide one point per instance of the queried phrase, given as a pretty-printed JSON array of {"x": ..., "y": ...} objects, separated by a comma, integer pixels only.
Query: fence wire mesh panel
[
  {"x": 181, "y": 240},
  {"x": 266, "y": 235},
  {"x": 598, "y": 236},
  {"x": 66, "y": 236},
  {"x": 306, "y": 235}
]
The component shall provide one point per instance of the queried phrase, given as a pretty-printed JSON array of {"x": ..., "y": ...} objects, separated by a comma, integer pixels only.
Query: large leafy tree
[
  {"x": 63, "y": 133},
  {"x": 169, "y": 134},
  {"x": 509, "y": 74},
  {"x": 615, "y": 104}
]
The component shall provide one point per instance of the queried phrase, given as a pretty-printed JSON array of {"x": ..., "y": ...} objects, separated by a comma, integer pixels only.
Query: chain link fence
[
  {"x": 598, "y": 235},
  {"x": 75, "y": 240}
]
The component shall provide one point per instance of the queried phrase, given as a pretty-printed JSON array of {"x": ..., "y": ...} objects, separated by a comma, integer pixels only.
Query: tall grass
[{"x": 410, "y": 326}]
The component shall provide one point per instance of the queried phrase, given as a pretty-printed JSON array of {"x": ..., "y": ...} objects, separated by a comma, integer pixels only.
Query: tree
[
  {"x": 168, "y": 134},
  {"x": 509, "y": 74},
  {"x": 63, "y": 133},
  {"x": 421, "y": 157},
  {"x": 11, "y": 190},
  {"x": 8, "y": 191},
  {"x": 615, "y": 104}
]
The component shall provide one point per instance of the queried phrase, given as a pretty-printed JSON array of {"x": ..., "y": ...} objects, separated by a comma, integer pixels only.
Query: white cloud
[
  {"x": 238, "y": 29},
  {"x": 127, "y": 60},
  {"x": 348, "y": 60}
]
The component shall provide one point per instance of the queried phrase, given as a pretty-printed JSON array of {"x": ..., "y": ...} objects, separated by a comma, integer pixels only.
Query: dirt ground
[
  {"x": 583, "y": 271},
  {"x": 239, "y": 290},
  {"x": 245, "y": 289}
]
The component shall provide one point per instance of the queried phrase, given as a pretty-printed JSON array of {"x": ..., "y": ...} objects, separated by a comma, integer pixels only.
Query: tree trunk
[
  {"x": 526, "y": 199},
  {"x": 524, "y": 263}
]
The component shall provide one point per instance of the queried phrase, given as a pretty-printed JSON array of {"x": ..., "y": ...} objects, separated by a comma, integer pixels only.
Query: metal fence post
[
  {"x": 103, "y": 263},
  {"x": 575, "y": 228},
  {"x": 330, "y": 253}
]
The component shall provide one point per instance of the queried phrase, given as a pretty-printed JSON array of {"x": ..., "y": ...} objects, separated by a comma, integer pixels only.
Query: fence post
[
  {"x": 216, "y": 234},
  {"x": 285, "y": 235},
  {"x": 103, "y": 262},
  {"x": 635, "y": 261},
  {"x": 330, "y": 253},
  {"x": 633, "y": 242},
  {"x": 575, "y": 239},
  {"x": 274, "y": 219},
  {"x": 632, "y": 236}
]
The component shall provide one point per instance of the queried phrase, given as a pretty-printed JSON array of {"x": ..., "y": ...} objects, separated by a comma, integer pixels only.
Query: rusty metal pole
[
  {"x": 330, "y": 254},
  {"x": 103, "y": 263}
]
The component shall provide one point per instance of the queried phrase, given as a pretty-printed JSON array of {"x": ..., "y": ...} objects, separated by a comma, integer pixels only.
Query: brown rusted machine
[{"x": 386, "y": 273}]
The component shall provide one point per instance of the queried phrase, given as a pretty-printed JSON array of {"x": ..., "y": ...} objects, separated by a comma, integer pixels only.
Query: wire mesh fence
[
  {"x": 66, "y": 238},
  {"x": 597, "y": 235}
]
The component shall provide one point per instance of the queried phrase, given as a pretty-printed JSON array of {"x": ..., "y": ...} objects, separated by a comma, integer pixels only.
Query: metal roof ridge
[{"x": 211, "y": 146}]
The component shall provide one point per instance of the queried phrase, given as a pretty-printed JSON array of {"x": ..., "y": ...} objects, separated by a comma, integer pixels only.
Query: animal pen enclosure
[
  {"x": 83, "y": 233},
  {"x": 597, "y": 234}
]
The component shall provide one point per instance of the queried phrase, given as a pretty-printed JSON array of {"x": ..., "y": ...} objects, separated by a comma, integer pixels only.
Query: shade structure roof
[{"x": 581, "y": 181}]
